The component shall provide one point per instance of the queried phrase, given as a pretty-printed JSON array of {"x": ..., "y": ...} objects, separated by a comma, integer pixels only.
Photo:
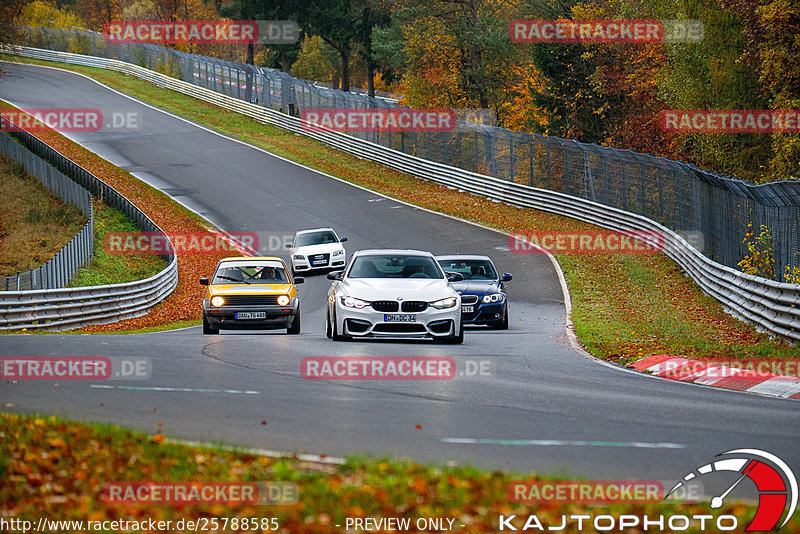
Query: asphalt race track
[{"x": 544, "y": 406}]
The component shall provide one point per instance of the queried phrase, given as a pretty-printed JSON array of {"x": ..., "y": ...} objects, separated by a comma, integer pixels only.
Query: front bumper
[
  {"x": 335, "y": 262},
  {"x": 485, "y": 313},
  {"x": 276, "y": 316},
  {"x": 368, "y": 322}
]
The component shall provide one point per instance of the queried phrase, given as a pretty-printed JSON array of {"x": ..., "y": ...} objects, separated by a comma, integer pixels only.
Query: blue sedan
[{"x": 483, "y": 293}]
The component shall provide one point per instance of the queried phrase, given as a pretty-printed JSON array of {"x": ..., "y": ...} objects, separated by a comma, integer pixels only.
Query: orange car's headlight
[
  {"x": 217, "y": 301},
  {"x": 283, "y": 300}
]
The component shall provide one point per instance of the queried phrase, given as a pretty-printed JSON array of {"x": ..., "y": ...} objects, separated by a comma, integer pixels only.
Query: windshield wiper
[{"x": 232, "y": 279}]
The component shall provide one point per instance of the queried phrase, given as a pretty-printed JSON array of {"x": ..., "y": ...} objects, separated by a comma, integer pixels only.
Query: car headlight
[
  {"x": 352, "y": 302},
  {"x": 338, "y": 252},
  {"x": 299, "y": 257},
  {"x": 217, "y": 301},
  {"x": 283, "y": 300},
  {"x": 443, "y": 304},
  {"x": 494, "y": 297}
]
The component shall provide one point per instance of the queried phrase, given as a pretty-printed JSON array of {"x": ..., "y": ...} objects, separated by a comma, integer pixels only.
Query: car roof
[
  {"x": 251, "y": 258},
  {"x": 463, "y": 257},
  {"x": 391, "y": 251},
  {"x": 315, "y": 230}
]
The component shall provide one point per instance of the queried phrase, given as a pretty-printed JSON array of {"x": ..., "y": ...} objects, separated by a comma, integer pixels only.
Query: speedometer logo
[{"x": 776, "y": 484}]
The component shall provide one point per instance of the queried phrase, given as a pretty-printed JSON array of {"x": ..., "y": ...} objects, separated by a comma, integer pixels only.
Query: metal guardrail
[
  {"x": 680, "y": 196},
  {"x": 58, "y": 270},
  {"x": 771, "y": 306},
  {"x": 67, "y": 308}
]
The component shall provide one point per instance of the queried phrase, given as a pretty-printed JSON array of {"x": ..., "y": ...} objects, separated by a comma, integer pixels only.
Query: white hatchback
[
  {"x": 317, "y": 248},
  {"x": 394, "y": 293}
]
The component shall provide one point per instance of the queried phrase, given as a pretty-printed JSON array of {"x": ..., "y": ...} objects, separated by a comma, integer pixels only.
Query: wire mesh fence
[
  {"x": 59, "y": 270},
  {"x": 713, "y": 212}
]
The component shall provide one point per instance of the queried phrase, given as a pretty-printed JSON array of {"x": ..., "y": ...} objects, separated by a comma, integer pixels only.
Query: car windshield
[
  {"x": 394, "y": 266},
  {"x": 251, "y": 273},
  {"x": 470, "y": 269},
  {"x": 323, "y": 237}
]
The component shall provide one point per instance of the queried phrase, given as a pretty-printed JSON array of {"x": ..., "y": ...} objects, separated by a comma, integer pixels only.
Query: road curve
[{"x": 543, "y": 407}]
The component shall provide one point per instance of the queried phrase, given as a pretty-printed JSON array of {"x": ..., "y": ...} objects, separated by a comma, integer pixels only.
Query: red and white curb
[
  {"x": 243, "y": 249},
  {"x": 719, "y": 375}
]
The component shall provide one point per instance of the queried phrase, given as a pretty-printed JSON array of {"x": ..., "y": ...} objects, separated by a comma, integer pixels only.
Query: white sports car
[
  {"x": 318, "y": 248},
  {"x": 395, "y": 293}
]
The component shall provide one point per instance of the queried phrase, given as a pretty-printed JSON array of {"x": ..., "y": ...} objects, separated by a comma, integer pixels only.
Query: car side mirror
[
  {"x": 455, "y": 277},
  {"x": 335, "y": 275},
  {"x": 288, "y": 245},
  {"x": 342, "y": 239},
  {"x": 204, "y": 281},
  {"x": 299, "y": 280},
  {"x": 506, "y": 277}
]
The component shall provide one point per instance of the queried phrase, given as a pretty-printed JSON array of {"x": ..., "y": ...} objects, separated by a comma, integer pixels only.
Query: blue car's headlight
[
  {"x": 494, "y": 297},
  {"x": 443, "y": 304},
  {"x": 352, "y": 302}
]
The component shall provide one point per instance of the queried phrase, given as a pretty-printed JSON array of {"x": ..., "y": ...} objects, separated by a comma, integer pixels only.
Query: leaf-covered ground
[{"x": 57, "y": 469}]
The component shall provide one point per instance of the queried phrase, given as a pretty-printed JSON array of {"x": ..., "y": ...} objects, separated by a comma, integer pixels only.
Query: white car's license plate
[
  {"x": 318, "y": 262},
  {"x": 467, "y": 309},
  {"x": 250, "y": 315},
  {"x": 400, "y": 317}
]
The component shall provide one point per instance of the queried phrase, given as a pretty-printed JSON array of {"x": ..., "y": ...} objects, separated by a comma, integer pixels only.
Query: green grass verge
[
  {"x": 624, "y": 307},
  {"x": 105, "y": 268}
]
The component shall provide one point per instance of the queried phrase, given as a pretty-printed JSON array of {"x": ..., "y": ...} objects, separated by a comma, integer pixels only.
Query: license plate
[
  {"x": 400, "y": 318},
  {"x": 318, "y": 262},
  {"x": 250, "y": 315},
  {"x": 467, "y": 309}
]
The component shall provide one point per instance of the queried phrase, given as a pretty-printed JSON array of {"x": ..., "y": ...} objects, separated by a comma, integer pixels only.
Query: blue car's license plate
[{"x": 400, "y": 317}]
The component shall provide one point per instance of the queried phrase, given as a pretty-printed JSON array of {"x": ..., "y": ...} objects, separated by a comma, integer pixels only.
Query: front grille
[
  {"x": 250, "y": 300},
  {"x": 316, "y": 257},
  {"x": 469, "y": 299},
  {"x": 399, "y": 328},
  {"x": 385, "y": 305},
  {"x": 413, "y": 306}
]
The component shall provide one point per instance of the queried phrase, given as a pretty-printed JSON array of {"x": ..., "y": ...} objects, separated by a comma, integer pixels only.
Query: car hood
[
  {"x": 474, "y": 287},
  {"x": 395, "y": 288},
  {"x": 252, "y": 289},
  {"x": 326, "y": 248}
]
